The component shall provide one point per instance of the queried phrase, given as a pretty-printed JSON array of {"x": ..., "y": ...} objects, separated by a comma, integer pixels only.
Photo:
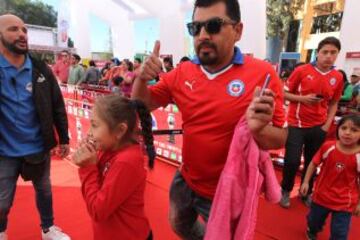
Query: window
[{"x": 327, "y": 23}]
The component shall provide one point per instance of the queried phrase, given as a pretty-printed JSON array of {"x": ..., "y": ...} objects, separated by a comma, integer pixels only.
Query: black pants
[{"x": 299, "y": 139}]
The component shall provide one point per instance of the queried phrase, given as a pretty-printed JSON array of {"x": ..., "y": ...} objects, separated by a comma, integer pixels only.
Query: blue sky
[{"x": 146, "y": 33}]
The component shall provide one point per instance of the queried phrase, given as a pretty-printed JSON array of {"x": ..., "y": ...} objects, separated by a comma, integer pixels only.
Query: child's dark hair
[
  {"x": 77, "y": 57},
  {"x": 355, "y": 118},
  {"x": 129, "y": 64},
  {"x": 114, "y": 109},
  {"x": 92, "y": 63},
  {"x": 118, "y": 80}
]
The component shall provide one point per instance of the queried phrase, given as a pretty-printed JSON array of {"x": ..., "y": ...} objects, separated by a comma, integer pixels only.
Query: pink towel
[{"x": 247, "y": 173}]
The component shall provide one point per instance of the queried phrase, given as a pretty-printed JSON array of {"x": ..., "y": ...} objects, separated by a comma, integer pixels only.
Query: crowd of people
[
  {"x": 217, "y": 91},
  {"x": 116, "y": 76}
]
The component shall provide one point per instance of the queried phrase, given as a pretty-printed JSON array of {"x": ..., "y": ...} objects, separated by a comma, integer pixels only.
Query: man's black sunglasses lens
[{"x": 212, "y": 26}]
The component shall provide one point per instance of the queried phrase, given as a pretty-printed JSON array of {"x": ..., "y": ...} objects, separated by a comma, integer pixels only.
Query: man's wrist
[
  {"x": 258, "y": 133},
  {"x": 300, "y": 98}
]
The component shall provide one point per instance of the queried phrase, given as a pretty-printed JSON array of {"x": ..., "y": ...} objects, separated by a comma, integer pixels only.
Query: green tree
[
  {"x": 279, "y": 15},
  {"x": 32, "y": 12}
]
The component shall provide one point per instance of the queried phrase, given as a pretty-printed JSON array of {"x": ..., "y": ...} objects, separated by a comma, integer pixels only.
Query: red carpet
[{"x": 70, "y": 212}]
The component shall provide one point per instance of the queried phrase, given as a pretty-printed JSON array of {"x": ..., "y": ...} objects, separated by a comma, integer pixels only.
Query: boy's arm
[
  {"x": 333, "y": 106},
  {"x": 306, "y": 99}
]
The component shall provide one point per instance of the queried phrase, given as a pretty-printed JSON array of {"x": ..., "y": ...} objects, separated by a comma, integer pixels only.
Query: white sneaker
[
  {"x": 3, "y": 236},
  {"x": 54, "y": 233}
]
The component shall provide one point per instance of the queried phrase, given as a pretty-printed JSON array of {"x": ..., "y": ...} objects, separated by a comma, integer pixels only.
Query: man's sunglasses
[{"x": 212, "y": 26}]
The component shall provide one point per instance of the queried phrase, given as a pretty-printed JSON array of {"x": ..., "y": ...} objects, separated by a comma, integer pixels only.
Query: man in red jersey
[
  {"x": 314, "y": 92},
  {"x": 62, "y": 66},
  {"x": 213, "y": 92}
]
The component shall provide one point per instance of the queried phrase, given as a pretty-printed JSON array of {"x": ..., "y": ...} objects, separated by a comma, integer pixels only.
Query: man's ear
[{"x": 239, "y": 30}]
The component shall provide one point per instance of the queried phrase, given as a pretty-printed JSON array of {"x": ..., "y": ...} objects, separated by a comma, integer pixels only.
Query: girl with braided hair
[{"x": 112, "y": 169}]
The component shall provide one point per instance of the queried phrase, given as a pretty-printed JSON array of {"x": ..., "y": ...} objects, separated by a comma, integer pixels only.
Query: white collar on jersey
[
  {"x": 322, "y": 73},
  {"x": 212, "y": 76}
]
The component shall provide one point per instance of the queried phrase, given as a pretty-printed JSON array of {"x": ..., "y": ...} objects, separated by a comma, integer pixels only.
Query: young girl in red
[
  {"x": 337, "y": 186},
  {"x": 112, "y": 170}
]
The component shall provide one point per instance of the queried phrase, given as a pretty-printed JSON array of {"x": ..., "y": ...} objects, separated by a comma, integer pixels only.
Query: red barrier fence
[{"x": 79, "y": 103}]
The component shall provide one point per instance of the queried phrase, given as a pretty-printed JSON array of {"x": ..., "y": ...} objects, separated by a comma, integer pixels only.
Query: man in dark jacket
[{"x": 31, "y": 105}]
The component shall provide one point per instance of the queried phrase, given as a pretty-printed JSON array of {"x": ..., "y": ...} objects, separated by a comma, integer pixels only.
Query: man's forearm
[
  {"x": 141, "y": 92},
  {"x": 271, "y": 137},
  {"x": 292, "y": 97}
]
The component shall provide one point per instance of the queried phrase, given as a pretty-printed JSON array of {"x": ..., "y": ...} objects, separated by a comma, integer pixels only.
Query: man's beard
[
  {"x": 207, "y": 59},
  {"x": 12, "y": 46}
]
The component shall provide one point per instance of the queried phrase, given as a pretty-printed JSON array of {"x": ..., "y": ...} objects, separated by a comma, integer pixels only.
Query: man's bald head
[
  {"x": 13, "y": 34},
  {"x": 8, "y": 18}
]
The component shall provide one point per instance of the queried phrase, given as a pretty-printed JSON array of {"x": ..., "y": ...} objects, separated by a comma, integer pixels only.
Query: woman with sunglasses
[{"x": 213, "y": 92}]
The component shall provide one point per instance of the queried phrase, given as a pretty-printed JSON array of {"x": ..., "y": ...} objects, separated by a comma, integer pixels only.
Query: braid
[{"x": 146, "y": 126}]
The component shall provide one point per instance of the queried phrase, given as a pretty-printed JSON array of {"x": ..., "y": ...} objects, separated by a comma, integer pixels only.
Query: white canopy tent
[{"x": 121, "y": 14}]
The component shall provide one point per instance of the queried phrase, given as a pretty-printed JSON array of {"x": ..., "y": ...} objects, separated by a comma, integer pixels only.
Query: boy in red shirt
[
  {"x": 314, "y": 92},
  {"x": 337, "y": 187}
]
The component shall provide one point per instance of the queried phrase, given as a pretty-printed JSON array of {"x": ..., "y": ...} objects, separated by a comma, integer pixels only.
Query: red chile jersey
[
  {"x": 211, "y": 105},
  {"x": 337, "y": 185},
  {"x": 307, "y": 79}
]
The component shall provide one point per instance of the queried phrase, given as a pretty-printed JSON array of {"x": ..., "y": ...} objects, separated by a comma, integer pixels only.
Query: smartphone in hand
[
  {"x": 265, "y": 85},
  {"x": 263, "y": 88},
  {"x": 319, "y": 96}
]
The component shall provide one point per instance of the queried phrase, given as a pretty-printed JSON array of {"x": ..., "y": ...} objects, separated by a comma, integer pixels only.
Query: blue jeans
[
  {"x": 185, "y": 208},
  {"x": 10, "y": 169},
  {"x": 340, "y": 221}
]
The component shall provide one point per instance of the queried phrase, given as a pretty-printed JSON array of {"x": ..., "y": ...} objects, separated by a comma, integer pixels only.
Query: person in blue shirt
[{"x": 31, "y": 107}]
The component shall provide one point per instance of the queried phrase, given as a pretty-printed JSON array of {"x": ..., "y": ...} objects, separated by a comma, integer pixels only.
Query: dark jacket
[{"x": 49, "y": 104}]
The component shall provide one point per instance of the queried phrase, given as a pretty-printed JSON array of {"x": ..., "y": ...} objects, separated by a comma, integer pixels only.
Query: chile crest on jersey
[{"x": 236, "y": 88}]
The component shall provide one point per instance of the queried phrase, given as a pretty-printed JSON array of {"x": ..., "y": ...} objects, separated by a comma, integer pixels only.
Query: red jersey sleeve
[
  {"x": 294, "y": 79},
  {"x": 323, "y": 152},
  {"x": 317, "y": 159},
  {"x": 339, "y": 89},
  {"x": 161, "y": 92},
  {"x": 277, "y": 86},
  {"x": 102, "y": 200}
]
